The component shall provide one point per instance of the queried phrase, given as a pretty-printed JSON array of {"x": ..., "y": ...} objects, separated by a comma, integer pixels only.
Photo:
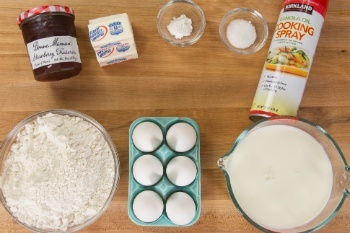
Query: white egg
[
  {"x": 147, "y": 170},
  {"x": 180, "y": 208},
  {"x": 181, "y": 171},
  {"x": 148, "y": 206},
  {"x": 147, "y": 136},
  {"x": 181, "y": 137}
]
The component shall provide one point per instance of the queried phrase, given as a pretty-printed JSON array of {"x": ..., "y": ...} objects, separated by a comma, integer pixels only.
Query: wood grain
[{"x": 205, "y": 82}]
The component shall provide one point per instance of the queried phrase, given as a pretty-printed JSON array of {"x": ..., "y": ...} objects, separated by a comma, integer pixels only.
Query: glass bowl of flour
[
  {"x": 181, "y": 22},
  {"x": 243, "y": 31},
  {"x": 59, "y": 171}
]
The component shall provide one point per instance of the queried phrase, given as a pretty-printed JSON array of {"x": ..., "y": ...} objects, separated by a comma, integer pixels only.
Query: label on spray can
[{"x": 289, "y": 59}]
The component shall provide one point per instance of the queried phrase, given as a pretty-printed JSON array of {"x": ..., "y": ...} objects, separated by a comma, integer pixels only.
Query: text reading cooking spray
[{"x": 289, "y": 59}]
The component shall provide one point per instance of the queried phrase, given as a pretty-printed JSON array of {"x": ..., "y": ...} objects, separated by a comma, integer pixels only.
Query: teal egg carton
[{"x": 164, "y": 188}]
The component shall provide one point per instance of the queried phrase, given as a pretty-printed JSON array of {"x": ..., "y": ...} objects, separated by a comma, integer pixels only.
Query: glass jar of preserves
[{"x": 49, "y": 33}]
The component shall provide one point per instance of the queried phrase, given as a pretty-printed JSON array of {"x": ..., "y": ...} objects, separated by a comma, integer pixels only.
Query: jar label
[{"x": 52, "y": 50}]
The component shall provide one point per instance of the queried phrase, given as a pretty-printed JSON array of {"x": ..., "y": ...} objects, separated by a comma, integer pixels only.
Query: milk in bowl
[{"x": 285, "y": 174}]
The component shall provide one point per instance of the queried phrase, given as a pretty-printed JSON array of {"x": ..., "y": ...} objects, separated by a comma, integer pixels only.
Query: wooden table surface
[{"x": 205, "y": 82}]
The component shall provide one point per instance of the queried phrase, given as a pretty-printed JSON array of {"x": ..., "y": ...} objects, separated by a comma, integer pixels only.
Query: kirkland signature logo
[{"x": 299, "y": 7}]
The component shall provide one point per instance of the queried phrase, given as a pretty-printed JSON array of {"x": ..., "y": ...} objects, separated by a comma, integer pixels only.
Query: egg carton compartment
[{"x": 164, "y": 187}]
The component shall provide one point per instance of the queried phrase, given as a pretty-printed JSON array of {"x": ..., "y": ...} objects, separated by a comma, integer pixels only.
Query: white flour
[
  {"x": 59, "y": 172},
  {"x": 180, "y": 27}
]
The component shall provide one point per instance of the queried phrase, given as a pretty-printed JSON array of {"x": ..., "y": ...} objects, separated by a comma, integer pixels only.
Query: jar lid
[{"x": 42, "y": 9}]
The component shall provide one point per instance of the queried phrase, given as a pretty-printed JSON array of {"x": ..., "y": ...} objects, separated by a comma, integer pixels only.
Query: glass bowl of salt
[
  {"x": 181, "y": 22},
  {"x": 243, "y": 31}
]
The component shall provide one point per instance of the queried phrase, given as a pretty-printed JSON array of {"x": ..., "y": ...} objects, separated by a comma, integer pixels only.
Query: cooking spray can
[{"x": 289, "y": 59}]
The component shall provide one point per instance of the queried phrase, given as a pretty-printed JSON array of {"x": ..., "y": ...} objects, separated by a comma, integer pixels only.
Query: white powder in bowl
[
  {"x": 241, "y": 33},
  {"x": 59, "y": 172},
  {"x": 180, "y": 27}
]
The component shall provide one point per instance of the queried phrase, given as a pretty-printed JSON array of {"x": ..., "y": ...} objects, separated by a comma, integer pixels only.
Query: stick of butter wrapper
[{"x": 112, "y": 39}]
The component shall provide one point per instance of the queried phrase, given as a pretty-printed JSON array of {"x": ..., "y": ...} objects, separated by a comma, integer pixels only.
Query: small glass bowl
[
  {"x": 11, "y": 138},
  {"x": 255, "y": 18},
  {"x": 175, "y": 8}
]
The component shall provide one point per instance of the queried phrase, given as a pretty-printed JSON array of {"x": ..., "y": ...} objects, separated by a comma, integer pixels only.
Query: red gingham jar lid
[{"x": 42, "y": 9}]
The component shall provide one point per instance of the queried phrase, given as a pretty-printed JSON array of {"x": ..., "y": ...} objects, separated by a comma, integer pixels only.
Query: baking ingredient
[
  {"x": 290, "y": 170},
  {"x": 59, "y": 172},
  {"x": 181, "y": 171},
  {"x": 180, "y": 208},
  {"x": 241, "y": 33},
  {"x": 147, "y": 170},
  {"x": 163, "y": 171},
  {"x": 50, "y": 36},
  {"x": 180, "y": 27},
  {"x": 181, "y": 137},
  {"x": 287, "y": 67},
  {"x": 112, "y": 39},
  {"x": 147, "y": 136},
  {"x": 148, "y": 206}
]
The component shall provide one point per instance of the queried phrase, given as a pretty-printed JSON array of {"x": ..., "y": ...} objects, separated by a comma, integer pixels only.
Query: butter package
[
  {"x": 112, "y": 39},
  {"x": 116, "y": 49},
  {"x": 117, "y": 59}
]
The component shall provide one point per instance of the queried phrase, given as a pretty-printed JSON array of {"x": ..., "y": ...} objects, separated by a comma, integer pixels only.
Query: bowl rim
[
  {"x": 252, "y": 12},
  {"x": 19, "y": 126},
  {"x": 183, "y": 43}
]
